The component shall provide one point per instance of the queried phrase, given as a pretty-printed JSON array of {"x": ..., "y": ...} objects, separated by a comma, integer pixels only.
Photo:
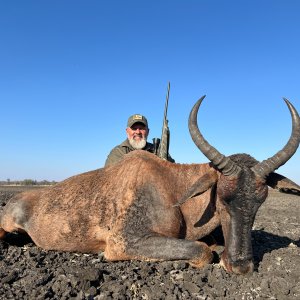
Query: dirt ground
[{"x": 27, "y": 272}]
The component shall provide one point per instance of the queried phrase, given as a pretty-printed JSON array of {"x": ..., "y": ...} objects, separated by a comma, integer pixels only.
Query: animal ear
[
  {"x": 200, "y": 186},
  {"x": 283, "y": 184}
]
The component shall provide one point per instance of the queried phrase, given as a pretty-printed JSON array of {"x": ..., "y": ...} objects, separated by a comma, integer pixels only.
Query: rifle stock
[{"x": 163, "y": 149}]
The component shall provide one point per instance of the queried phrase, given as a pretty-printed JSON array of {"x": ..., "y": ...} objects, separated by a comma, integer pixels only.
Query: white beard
[{"x": 138, "y": 144}]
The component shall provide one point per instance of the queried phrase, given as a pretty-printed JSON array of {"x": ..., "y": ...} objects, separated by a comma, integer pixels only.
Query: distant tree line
[{"x": 27, "y": 182}]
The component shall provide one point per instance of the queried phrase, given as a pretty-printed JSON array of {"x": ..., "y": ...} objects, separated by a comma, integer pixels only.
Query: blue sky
[{"x": 71, "y": 72}]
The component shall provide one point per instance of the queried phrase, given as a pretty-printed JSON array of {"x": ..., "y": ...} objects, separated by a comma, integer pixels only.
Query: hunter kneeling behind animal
[
  {"x": 147, "y": 208},
  {"x": 137, "y": 132}
]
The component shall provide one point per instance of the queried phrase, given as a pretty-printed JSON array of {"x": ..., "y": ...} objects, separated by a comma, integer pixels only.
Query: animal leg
[
  {"x": 13, "y": 218},
  {"x": 155, "y": 248}
]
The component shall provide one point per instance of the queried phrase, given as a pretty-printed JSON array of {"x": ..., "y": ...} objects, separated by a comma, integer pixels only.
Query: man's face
[{"x": 137, "y": 135}]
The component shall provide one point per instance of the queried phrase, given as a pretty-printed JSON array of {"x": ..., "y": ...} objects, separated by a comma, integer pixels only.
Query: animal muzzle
[
  {"x": 242, "y": 268},
  {"x": 239, "y": 267}
]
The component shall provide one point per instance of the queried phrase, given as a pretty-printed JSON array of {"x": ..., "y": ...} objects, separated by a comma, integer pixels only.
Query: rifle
[{"x": 163, "y": 149}]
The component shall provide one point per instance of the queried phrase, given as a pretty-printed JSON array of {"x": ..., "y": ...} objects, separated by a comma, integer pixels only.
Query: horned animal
[{"x": 141, "y": 208}]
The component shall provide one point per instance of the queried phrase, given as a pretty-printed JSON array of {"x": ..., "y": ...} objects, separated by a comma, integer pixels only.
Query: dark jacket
[{"x": 117, "y": 153}]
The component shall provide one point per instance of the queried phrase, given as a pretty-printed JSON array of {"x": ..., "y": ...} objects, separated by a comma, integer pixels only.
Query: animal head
[{"x": 241, "y": 189}]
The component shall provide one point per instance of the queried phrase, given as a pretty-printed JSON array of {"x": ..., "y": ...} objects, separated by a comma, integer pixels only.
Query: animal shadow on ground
[
  {"x": 17, "y": 239},
  {"x": 265, "y": 242}
]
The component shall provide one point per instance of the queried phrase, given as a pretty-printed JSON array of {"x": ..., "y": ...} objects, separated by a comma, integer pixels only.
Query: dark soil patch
[{"x": 28, "y": 272}]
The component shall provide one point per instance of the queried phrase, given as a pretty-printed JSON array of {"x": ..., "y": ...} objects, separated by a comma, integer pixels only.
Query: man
[{"x": 137, "y": 133}]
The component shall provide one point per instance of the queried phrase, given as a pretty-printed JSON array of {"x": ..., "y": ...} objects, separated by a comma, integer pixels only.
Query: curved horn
[
  {"x": 223, "y": 163},
  {"x": 264, "y": 168}
]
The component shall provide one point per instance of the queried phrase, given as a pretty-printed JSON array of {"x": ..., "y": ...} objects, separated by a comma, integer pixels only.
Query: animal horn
[
  {"x": 264, "y": 168},
  {"x": 223, "y": 163}
]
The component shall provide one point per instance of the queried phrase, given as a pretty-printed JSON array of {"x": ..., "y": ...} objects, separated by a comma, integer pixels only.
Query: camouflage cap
[{"x": 137, "y": 119}]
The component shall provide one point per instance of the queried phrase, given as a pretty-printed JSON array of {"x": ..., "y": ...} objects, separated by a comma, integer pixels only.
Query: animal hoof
[
  {"x": 204, "y": 258},
  {"x": 2, "y": 233}
]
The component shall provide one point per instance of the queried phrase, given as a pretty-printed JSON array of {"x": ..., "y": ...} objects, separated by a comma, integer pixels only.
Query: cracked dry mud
[{"x": 28, "y": 272}]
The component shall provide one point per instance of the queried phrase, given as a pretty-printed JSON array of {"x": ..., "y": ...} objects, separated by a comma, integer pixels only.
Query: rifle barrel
[
  {"x": 167, "y": 102},
  {"x": 163, "y": 150}
]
